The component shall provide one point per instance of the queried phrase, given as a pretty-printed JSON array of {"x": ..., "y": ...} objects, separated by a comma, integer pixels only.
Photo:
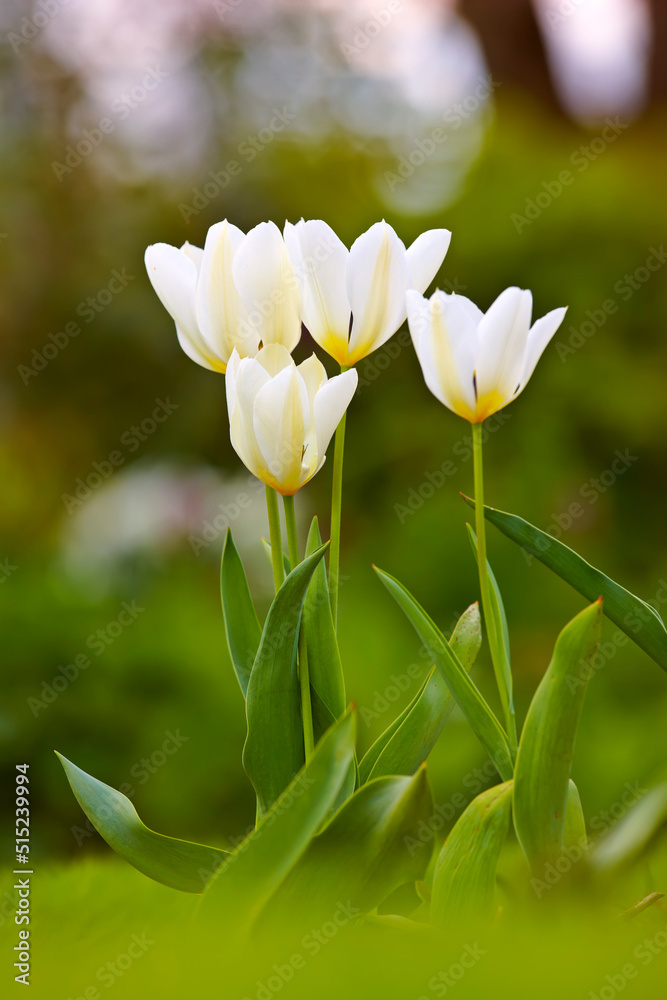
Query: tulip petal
[
  {"x": 221, "y": 315},
  {"x": 245, "y": 378},
  {"x": 173, "y": 275},
  {"x": 503, "y": 333},
  {"x": 320, "y": 261},
  {"x": 280, "y": 419},
  {"x": 377, "y": 279},
  {"x": 266, "y": 282},
  {"x": 273, "y": 358},
  {"x": 539, "y": 336},
  {"x": 444, "y": 335},
  {"x": 331, "y": 402},
  {"x": 425, "y": 256}
]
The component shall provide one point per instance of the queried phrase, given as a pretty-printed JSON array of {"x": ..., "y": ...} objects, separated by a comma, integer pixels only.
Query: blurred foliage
[{"x": 170, "y": 670}]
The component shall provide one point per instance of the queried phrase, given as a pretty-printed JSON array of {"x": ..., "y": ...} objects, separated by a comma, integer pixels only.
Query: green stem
[
  {"x": 275, "y": 538},
  {"x": 485, "y": 588},
  {"x": 304, "y": 678},
  {"x": 336, "y": 511}
]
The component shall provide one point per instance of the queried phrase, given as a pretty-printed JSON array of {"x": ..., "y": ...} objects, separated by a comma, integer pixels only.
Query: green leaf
[
  {"x": 363, "y": 854},
  {"x": 465, "y": 873},
  {"x": 469, "y": 699},
  {"x": 635, "y": 617},
  {"x": 176, "y": 863},
  {"x": 241, "y": 623},
  {"x": 273, "y": 751},
  {"x": 546, "y": 747},
  {"x": 266, "y": 545},
  {"x": 250, "y": 876},
  {"x": 633, "y": 832},
  {"x": 500, "y": 655},
  {"x": 574, "y": 830},
  {"x": 411, "y": 737},
  {"x": 324, "y": 666}
]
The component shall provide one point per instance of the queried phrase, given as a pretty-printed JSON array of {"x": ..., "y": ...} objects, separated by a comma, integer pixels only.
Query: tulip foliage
[{"x": 331, "y": 825}]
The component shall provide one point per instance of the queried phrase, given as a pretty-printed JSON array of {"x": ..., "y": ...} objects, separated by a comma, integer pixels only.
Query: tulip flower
[
  {"x": 282, "y": 415},
  {"x": 353, "y": 301},
  {"x": 476, "y": 363},
  {"x": 238, "y": 293}
]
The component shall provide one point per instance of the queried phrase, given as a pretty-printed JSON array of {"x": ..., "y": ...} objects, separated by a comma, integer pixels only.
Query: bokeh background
[{"x": 536, "y": 133}]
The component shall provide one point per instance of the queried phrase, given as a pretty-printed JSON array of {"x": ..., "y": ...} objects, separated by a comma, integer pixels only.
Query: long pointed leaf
[
  {"x": 273, "y": 751},
  {"x": 412, "y": 736},
  {"x": 241, "y": 623},
  {"x": 465, "y": 873},
  {"x": 469, "y": 699},
  {"x": 500, "y": 655},
  {"x": 250, "y": 876},
  {"x": 546, "y": 747},
  {"x": 324, "y": 666},
  {"x": 362, "y": 856},
  {"x": 635, "y": 617},
  {"x": 179, "y": 864}
]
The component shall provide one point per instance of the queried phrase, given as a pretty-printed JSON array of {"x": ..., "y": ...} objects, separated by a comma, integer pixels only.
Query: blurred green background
[{"x": 90, "y": 354}]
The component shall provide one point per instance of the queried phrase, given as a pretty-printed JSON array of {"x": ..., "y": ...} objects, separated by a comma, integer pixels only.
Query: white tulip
[
  {"x": 473, "y": 362},
  {"x": 353, "y": 301},
  {"x": 238, "y": 293},
  {"x": 282, "y": 415}
]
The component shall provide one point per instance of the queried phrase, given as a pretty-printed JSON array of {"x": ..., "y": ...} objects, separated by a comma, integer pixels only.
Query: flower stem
[
  {"x": 304, "y": 678},
  {"x": 495, "y": 639},
  {"x": 336, "y": 510},
  {"x": 275, "y": 538}
]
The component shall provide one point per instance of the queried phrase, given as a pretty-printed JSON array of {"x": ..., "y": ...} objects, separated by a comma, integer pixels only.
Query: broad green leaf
[
  {"x": 241, "y": 623},
  {"x": 273, "y": 751},
  {"x": 633, "y": 832},
  {"x": 409, "y": 740},
  {"x": 250, "y": 876},
  {"x": 324, "y": 666},
  {"x": 363, "y": 854},
  {"x": 176, "y": 863},
  {"x": 469, "y": 699},
  {"x": 500, "y": 653},
  {"x": 465, "y": 873},
  {"x": 635, "y": 617},
  {"x": 546, "y": 747}
]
